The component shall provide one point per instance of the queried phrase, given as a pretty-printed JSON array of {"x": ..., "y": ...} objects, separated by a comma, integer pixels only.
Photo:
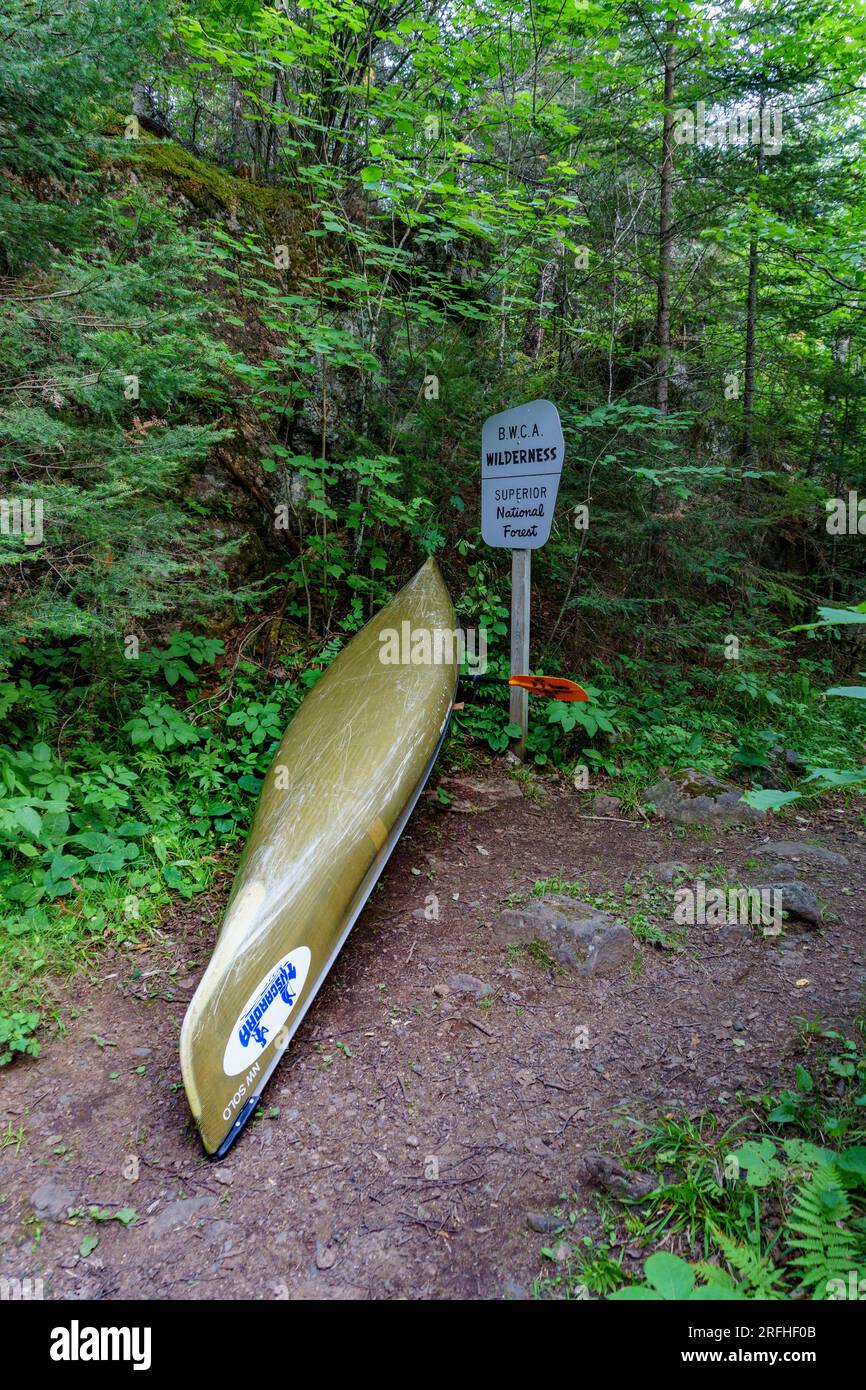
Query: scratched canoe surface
[{"x": 342, "y": 785}]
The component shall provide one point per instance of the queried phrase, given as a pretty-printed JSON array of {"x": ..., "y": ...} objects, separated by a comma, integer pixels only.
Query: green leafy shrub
[
  {"x": 16, "y": 1035},
  {"x": 777, "y": 1216}
]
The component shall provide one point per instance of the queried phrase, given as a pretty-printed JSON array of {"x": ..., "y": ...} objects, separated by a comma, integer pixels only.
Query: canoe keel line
[{"x": 333, "y": 805}]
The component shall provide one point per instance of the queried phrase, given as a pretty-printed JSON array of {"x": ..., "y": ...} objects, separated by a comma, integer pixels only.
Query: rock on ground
[
  {"x": 797, "y": 900},
  {"x": 52, "y": 1200},
  {"x": 544, "y": 1222},
  {"x": 472, "y": 795},
  {"x": 460, "y": 983},
  {"x": 177, "y": 1213},
  {"x": 805, "y": 853},
  {"x": 607, "y": 1173},
  {"x": 577, "y": 934},
  {"x": 782, "y": 767},
  {"x": 694, "y": 798},
  {"x": 670, "y": 870}
]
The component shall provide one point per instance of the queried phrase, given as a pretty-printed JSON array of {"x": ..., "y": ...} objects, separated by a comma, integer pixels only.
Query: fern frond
[
  {"x": 759, "y": 1277},
  {"x": 829, "y": 1251}
]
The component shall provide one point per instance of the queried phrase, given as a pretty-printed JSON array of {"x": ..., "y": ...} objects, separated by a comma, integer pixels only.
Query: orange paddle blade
[{"x": 551, "y": 687}]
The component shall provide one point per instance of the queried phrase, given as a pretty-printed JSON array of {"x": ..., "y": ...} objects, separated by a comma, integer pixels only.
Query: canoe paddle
[{"x": 549, "y": 687}]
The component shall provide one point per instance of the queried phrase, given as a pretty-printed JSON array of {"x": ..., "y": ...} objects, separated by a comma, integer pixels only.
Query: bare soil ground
[{"x": 409, "y": 1131}]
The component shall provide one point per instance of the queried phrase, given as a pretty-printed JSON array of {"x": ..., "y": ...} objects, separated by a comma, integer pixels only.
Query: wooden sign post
[
  {"x": 522, "y": 452},
  {"x": 521, "y": 570}
]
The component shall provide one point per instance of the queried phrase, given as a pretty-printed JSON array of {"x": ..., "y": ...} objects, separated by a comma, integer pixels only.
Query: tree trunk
[
  {"x": 748, "y": 447},
  {"x": 533, "y": 338},
  {"x": 666, "y": 199},
  {"x": 825, "y": 440}
]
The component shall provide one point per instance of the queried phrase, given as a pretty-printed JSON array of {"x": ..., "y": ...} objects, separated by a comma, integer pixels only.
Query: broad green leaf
[
  {"x": 670, "y": 1275},
  {"x": 853, "y": 1160},
  {"x": 769, "y": 800},
  {"x": 757, "y": 1157}
]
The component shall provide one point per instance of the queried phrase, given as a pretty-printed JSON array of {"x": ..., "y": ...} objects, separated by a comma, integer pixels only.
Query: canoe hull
[{"x": 333, "y": 804}]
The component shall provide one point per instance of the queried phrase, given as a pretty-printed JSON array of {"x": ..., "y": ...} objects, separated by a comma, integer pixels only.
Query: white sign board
[{"x": 522, "y": 450}]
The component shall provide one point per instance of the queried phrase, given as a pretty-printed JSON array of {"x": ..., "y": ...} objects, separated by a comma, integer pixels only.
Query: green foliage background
[{"x": 266, "y": 268}]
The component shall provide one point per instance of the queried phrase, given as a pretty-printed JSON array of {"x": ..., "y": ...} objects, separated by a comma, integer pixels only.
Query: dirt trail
[{"x": 410, "y": 1129}]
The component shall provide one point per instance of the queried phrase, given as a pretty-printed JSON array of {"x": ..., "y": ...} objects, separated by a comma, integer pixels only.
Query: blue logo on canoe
[
  {"x": 262, "y": 1021},
  {"x": 278, "y": 987}
]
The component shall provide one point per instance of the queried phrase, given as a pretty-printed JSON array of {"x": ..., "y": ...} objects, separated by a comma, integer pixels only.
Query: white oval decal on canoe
[{"x": 266, "y": 1011}]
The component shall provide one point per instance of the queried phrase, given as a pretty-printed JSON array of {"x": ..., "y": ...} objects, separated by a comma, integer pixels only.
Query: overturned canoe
[{"x": 336, "y": 797}]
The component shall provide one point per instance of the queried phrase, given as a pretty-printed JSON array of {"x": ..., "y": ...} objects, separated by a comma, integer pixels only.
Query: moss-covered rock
[
  {"x": 209, "y": 186},
  {"x": 280, "y": 214},
  {"x": 695, "y": 798}
]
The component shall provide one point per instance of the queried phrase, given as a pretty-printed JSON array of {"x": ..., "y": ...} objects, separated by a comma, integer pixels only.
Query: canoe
[{"x": 341, "y": 787}]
